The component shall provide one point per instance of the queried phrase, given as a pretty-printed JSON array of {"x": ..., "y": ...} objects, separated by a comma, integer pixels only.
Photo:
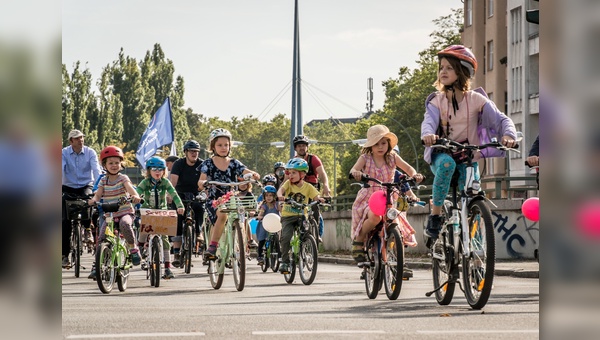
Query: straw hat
[{"x": 376, "y": 132}]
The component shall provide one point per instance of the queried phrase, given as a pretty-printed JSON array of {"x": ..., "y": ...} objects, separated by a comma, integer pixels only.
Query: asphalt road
[{"x": 334, "y": 306}]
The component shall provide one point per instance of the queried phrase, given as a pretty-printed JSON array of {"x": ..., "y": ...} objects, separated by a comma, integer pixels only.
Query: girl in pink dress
[{"x": 379, "y": 161}]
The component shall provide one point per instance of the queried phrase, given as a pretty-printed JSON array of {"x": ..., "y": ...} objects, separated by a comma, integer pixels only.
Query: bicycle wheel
[
  {"x": 105, "y": 271},
  {"x": 239, "y": 256},
  {"x": 275, "y": 253},
  {"x": 266, "y": 255},
  {"x": 122, "y": 273},
  {"x": 289, "y": 278},
  {"x": 373, "y": 272},
  {"x": 308, "y": 260},
  {"x": 393, "y": 264},
  {"x": 478, "y": 267},
  {"x": 76, "y": 248},
  {"x": 155, "y": 266},
  {"x": 442, "y": 263},
  {"x": 187, "y": 248},
  {"x": 216, "y": 269},
  {"x": 314, "y": 229}
]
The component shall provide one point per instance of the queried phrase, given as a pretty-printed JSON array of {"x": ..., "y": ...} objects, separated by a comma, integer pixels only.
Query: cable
[{"x": 280, "y": 95}]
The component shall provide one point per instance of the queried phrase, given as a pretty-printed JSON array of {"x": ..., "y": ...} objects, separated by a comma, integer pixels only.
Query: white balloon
[{"x": 272, "y": 223}]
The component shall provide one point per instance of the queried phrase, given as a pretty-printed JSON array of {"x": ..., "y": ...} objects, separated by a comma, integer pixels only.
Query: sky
[{"x": 236, "y": 56}]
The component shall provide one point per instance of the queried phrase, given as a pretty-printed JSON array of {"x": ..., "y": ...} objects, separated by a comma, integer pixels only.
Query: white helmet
[{"x": 218, "y": 133}]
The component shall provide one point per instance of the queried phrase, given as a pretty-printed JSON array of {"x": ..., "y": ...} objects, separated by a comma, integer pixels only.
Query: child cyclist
[
  {"x": 297, "y": 189},
  {"x": 378, "y": 160},
  {"x": 154, "y": 189},
  {"x": 245, "y": 190},
  {"x": 268, "y": 206},
  {"x": 111, "y": 188},
  {"x": 221, "y": 168}
]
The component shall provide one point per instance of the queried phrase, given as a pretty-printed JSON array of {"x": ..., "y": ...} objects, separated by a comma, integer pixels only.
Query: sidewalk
[{"x": 524, "y": 269}]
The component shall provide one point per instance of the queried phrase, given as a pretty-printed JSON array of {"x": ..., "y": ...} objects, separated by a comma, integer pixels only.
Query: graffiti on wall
[
  {"x": 342, "y": 229},
  {"x": 516, "y": 239}
]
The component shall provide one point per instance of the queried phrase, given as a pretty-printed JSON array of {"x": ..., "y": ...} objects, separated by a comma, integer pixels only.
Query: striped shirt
[{"x": 113, "y": 190}]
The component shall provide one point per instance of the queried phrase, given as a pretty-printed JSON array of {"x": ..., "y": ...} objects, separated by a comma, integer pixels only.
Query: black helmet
[
  {"x": 278, "y": 165},
  {"x": 171, "y": 159},
  {"x": 191, "y": 145},
  {"x": 300, "y": 139}
]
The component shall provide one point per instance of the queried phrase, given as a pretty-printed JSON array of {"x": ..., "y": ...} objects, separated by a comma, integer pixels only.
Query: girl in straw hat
[{"x": 378, "y": 160}]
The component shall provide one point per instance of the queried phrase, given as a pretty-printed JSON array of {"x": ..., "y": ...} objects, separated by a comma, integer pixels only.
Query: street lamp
[
  {"x": 278, "y": 145},
  {"x": 359, "y": 142}
]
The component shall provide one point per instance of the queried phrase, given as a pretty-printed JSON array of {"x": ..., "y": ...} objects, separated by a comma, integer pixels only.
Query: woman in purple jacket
[{"x": 458, "y": 113}]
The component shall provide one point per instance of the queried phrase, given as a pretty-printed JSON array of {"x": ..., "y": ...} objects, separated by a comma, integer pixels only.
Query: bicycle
[
  {"x": 303, "y": 246},
  {"x": 536, "y": 252},
  {"x": 156, "y": 222},
  {"x": 231, "y": 252},
  {"x": 188, "y": 232},
  {"x": 385, "y": 245},
  {"x": 467, "y": 237},
  {"x": 77, "y": 211},
  {"x": 272, "y": 250},
  {"x": 112, "y": 257}
]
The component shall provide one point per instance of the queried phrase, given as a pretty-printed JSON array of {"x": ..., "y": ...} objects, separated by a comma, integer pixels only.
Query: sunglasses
[{"x": 157, "y": 169}]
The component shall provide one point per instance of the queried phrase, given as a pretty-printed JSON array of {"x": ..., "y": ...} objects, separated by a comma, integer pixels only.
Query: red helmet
[
  {"x": 464, "y": 54},
  {"x": 111, "y": 151}
]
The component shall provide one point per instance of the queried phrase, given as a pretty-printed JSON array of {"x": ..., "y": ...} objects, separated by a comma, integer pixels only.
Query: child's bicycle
[
  {"x": 77, "y": 210},
  {"x": 156, "y": 223},
  {"x": 467, "y": 237},
  {"x": 536, "y": 252},
  {"x": 231, "y": 252},
  {"x": 188, "y": 233},
  {"x": 385, "y": 245},
  {"x": 112, "y": 257},
  {"x": 272, "y": 253},
  {"x": 303, "y": 246}
]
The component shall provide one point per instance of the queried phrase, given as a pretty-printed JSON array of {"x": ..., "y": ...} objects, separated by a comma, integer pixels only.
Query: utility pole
[
  {"x": 296, "y": 128},
  {"x": 369, "y": 95}
]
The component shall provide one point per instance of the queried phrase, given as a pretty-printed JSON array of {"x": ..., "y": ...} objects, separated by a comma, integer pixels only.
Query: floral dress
[
  {"x": 360, "y": 208},
  {"x": 233, "y": 171}
]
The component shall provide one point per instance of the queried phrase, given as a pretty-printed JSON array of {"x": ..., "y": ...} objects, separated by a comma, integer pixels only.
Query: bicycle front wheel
[
  {"x": 122, "y": 273},
  {"x": 275, "y": 253},
  {"x": 188, "y": 243},
  {"x": 478, "y": 267},
  {"x": 393, "y": 263},
  {"x": 105, "y": 271},
  {"x": 308, "y": 259},
  {"x": 442, "y": 264},
  {"x": 239, "y": 256},
  {"x": 76, "y": 249},
  {"x": 154, "y": 267},
  {"x": 372, "y": 274}
]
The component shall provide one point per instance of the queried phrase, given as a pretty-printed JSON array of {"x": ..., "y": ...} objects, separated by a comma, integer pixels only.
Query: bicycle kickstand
[{"x": 438, "y": 288}]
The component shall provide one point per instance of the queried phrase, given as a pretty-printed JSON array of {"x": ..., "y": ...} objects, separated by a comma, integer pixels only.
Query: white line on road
[
  {"x": 486, "y": 331},
  {"x": 134, "y": 335},
  {"x": 317, "y": 332}
]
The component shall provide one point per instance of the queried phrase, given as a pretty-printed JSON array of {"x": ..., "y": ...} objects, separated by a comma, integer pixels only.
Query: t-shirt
[
  {"x": 113, "y": 191},
  {"x": 188, "y": 176},
  {"x": 315, "y": 162},
  {"x": 304, "y": 194}
]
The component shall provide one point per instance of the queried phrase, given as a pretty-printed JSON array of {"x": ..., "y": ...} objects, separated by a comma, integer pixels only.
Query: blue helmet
[
  {"x": 156, "y": 162},
  {"x": 270, "y": 188},
  {"x": 297, "y": 164}
]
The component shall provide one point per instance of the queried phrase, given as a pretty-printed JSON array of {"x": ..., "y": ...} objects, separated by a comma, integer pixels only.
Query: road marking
[
  {"x": 473, "y": 331},
  {"x": 316, "y": 332},
  {"x": 134, "y": 335}
]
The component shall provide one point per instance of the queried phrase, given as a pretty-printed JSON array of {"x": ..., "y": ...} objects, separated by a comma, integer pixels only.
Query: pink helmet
[{"x": 464, "y": 54}]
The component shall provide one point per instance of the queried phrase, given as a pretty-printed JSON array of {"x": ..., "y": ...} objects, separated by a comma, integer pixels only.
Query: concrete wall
[{"x": 516, "y": 237}]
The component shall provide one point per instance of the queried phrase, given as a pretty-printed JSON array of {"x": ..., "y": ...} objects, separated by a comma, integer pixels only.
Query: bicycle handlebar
[
  {"x": 114, "y": 207},
  {"x": 233, "y": 184},
  {"x": 302, "y": 205},
  {"x": 443, "y": 143}
]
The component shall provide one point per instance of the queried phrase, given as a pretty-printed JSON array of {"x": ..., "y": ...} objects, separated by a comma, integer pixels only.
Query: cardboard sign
[{"x": 156, "y": 221}]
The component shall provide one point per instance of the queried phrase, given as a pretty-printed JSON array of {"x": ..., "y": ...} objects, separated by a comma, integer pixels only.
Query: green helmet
[{"x": 297, "y": 164}]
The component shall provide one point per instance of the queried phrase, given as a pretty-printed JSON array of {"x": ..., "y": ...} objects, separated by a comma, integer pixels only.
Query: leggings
[
  {"x": 443, "y": 166},
  {"x": 125, "y": 223}
]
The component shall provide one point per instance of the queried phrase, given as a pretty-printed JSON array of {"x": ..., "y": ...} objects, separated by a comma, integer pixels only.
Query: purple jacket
[{"x": 491, "y": 123}]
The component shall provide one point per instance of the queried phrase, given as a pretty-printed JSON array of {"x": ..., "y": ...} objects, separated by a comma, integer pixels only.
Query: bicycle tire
[
  {"x": 122, "y": 274},
  {"x": 372, "y": 273},
  {"x": 155, "y": 267},
  {"x": 239, "y": 256},
  {"x": 442, "y": 268},
  {"x": 394, "y": 263},
  {"x": 478, "y": 267},
  {"x": 214, "y": 266},
  {"x": 308, "y": 260},
  {"x": 76, "y": 247},
  {"x": 289, "y": 278},
  {"x": 105, "y": 272},
  {"x": 266, "y": 254},
  {"x": 187, "y": 249},
  {"x": 314, "y": 230},
  {"x": 275, "y": 253}
]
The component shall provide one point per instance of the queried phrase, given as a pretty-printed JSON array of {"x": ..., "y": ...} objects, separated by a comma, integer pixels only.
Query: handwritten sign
[{"x": 156, "y": 221}]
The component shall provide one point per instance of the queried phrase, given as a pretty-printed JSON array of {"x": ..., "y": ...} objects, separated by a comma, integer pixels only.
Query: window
[
  {"x": 490, "y": 52},
  {"x": 490, "y": 8},
  {"x": 516, "y": 155},
  {"x": 515, "y": 16},
  {"x": 484, "y": 59},
  {"x": 469, "y": 13}
]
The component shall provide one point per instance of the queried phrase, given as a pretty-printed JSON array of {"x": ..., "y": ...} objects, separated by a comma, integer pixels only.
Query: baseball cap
[{"x": 75, "y": 134}]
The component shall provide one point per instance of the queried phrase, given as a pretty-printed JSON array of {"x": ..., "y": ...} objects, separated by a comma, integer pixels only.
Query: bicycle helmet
[
  {"x": 171, "y": 159},
  {"x": 278, "y": 165},
  {"x": 156, "y": 162},
  {"x": 463, "y": 54},
  {"x": 297, "y": 164},
  {"x": 219, "y": 133},
  {"x": 269, "y": 178},
  {"x": 300, "y": 139},
  {"x": 111, "y": 151},
  {"x": 269, "y": 188},
  {"x": 191, "y": 145}
]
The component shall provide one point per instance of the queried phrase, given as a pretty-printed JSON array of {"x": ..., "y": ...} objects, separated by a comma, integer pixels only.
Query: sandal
[{"x": 358, "y": 251}]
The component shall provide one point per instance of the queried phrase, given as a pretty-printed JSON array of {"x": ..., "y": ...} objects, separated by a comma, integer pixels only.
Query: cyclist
[
  {"x": 184, "y": 177},
  {"x": 297, "y": 189},
  {"x": 269, "y": 206},
  {"x": 269, "y": 179},
  {"x": 111, "y": 188},
  {"x": 170, "y": 161},
  {"x": 279, "y": 171},
  {"x": 378, "y": 160},
  {"x": 534, "y": 158},
  {"x": 154, "y": 189},
  {"x": 221, "y": 168},
  {"x": 80, "y": 169},
  {"x": 315, "y": 172},
  {"x": 458, "y": 113}
]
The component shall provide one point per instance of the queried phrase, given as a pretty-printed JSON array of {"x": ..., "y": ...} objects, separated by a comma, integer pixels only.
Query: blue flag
[{"x": 158, "y": 133}]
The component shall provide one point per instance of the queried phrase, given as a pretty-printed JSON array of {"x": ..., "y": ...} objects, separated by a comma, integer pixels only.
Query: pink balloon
[
  {"x": 377, "y": 203},
  {"x": 588, "y": 218},
  {"x": 531, "y": 209}
]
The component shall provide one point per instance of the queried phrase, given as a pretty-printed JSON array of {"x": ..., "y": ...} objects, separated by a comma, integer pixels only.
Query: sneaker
[
  {"x": 144, "y": 265},
  {"x": 87, "y": 236},
  {"x": 284, "y": 269},
  {"x": 407, "y": 273},
  {"x": 260, "y": 260},
  {"x": 434, "y": 225},
  {"x": 135, "y": 258},
  {"x": 210, "y": 253},
  {"x": 320, "y": 239},
  {"x": 253, "y": 244},
  {"x": 92, "y": 274},
  {"x": 176, "y": 260},
  {"x": 168, "y": 274},
  {"x": 65, "y": 262}
]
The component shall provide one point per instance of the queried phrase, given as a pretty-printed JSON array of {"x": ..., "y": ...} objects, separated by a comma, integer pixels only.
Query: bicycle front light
[{"x": 392, "y": 214}]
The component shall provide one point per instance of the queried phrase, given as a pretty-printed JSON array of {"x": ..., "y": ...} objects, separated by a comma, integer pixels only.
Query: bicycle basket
[
  {"x": 77, "y": 207},
  {"x": 246, "y": 202}
]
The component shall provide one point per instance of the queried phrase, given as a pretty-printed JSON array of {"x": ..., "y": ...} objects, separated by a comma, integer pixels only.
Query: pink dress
[{"x": 360, "y": 208}]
